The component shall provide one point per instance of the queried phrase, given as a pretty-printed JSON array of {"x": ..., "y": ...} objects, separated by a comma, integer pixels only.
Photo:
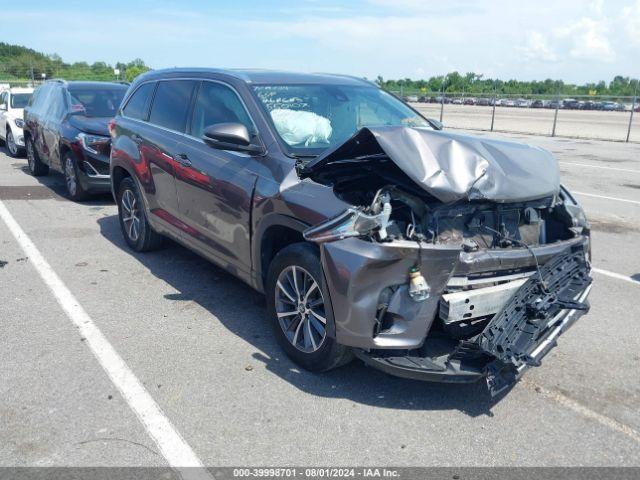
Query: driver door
[{"x": 215, "y": 186}]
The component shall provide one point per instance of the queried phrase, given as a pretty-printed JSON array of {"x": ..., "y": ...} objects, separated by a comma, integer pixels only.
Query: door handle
[
  {"x": 183, "y": 159},
  {"x": 136, "y": 138}
]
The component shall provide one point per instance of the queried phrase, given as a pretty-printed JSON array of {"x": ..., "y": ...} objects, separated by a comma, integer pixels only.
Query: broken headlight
[
  {"x": 574, "y": 208},
  {"x": 354, "y": 222},
  {"x": 351, "y": 223}
]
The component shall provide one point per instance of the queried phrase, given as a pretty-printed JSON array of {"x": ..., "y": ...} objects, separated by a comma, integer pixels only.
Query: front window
[
  {"x": 20, "y": 100},
  {"x": 96, "y": 101},
  {"x": 312, "y": 118}
]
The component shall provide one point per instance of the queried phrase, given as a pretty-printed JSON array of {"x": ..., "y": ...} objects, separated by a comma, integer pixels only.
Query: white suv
[{"x": 12, "y": 103}]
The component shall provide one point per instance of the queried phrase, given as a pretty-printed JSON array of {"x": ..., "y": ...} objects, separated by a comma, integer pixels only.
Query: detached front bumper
[{"x": 517, "y": 337}]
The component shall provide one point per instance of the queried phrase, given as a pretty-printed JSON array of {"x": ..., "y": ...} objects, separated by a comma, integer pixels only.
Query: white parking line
[
  {"x": 174, "y": 448},
  {"x": 606, "y": 198},
  {"x": 616, "y": 276},
  {"x": 599, "y": 166}
]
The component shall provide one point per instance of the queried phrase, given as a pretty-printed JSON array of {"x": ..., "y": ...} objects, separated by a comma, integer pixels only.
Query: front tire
[
  {"x": 299, "y": 304},
  {"x": 75, "y": 191},
  {"x": 12, "y": 149},
  {"x": 133, "y": 219},
  {"x": 36, "y": 167}
]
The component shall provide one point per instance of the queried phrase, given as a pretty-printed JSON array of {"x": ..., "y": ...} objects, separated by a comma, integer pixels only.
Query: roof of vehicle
[
  {"x": 20, "y": 90},
  {"x": 88, "y": 84},
  {"x": 262, "y": 77}
]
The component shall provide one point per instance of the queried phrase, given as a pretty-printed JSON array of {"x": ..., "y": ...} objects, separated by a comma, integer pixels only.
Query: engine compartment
[{"x": 376, "y": 187}]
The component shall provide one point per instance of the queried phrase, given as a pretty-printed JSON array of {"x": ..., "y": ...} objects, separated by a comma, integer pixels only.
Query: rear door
[
  {"x": 215, "y": 186},
  {"x": 156, "y": 134},
  {"x": 52, "y": 118},
  {"x": 35, "y": 118}
]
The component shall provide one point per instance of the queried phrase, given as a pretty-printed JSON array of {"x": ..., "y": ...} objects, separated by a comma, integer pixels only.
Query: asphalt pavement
[{"x": 197, "y": 340}]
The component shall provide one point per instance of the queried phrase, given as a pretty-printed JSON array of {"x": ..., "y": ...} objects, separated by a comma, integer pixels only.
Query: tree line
[
  {"x": 478, "y": 84},
  {"x": 21, "y": 63}
]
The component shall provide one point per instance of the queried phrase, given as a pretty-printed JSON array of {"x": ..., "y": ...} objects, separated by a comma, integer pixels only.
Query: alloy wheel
[
  {"x": 300, "y": 309},
  {"x": 130, "y": 215},
  {"x": 11, "y": 144},
  {"x": 70, "y": 176}
]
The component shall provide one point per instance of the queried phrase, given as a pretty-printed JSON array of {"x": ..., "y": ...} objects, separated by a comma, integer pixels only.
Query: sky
[{"x": 575, "y": 41}]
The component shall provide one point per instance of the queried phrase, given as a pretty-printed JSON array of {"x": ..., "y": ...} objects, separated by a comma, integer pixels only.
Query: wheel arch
[
  {"x": 118, "y": 173},
  {"x": 274, "y": 233}
]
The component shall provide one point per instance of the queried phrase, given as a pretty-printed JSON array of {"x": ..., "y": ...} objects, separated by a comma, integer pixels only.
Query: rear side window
[
  {"x": 40, "y": 99},
  {"x": 56, "y": 104},
  {"x": 138, "y": 104},
  {"x": 171, "y": 104},
  {"x": 217, "y": 103}
]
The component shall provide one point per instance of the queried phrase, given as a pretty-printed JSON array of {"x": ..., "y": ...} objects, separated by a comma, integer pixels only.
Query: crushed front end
[{"x": 456, "y": 291}]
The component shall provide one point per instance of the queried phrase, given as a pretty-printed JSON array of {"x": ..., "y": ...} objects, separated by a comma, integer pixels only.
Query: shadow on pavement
[
  {"x": 242, "y": 311},
  {"x": 52, "y": 186}
]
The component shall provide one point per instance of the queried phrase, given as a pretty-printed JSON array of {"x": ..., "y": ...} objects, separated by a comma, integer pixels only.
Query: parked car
[
  {"x": 537, "y": 104},
  {"x": 570, "y": 104},
  {"x": 12, "y": 103},
  {"x": 484, "y": 102},
  {"x": 412, "y": 98},
  {"x": 523, "y": 103},
  {"x": 609, "y": 106},
  {"x": 508, "y": 102},
  {"x": 66, "y": 130},
  {"x": 469, "y": 101},
  {"x": 332, "y": 213},
  {"x": 457, "y": 101},
  {"x": 555, "y": 104}
]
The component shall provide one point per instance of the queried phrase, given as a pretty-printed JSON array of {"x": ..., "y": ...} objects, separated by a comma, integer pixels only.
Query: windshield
[
  {"x": 96, "y": 102},
  {"x": 312, "y": 118},
  {"x": 20, "y": 100}
]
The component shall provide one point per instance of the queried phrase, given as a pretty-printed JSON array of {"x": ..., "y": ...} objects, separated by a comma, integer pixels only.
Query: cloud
[
  {"x": 596, "y": 7},
  {"x": 537, "y": 48},
  {"x": 631, "y": 22},
  {"x": 589, "y": 39}
]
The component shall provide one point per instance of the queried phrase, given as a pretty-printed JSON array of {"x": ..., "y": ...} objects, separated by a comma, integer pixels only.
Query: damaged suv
[{"x": 427, "y": 254}]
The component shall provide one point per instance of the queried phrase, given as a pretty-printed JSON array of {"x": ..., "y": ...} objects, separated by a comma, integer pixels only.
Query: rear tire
[
  {"x": 36, "y": 167},
  {"x": 299, "y": 304},
  {"x": 75, "y": 191},
  {"x": 133, "y": 219}
]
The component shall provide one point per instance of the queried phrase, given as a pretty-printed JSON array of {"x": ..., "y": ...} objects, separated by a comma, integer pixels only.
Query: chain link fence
[{"x": 589, "y": 117}]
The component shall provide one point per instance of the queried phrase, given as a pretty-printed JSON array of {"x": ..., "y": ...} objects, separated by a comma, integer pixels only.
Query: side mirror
[
  {"x": 229, "y": 136},
  {"x": 3, "y": 106},
  {"x": 438, "y": 125}
]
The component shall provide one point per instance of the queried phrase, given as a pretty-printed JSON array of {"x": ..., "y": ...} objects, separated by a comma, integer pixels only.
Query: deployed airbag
[
  {"x": 452, "y": 166},
  {"x": 298, "y": 127}
]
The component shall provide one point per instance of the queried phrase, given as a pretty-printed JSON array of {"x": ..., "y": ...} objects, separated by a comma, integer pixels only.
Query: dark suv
[
  {"x": 427, "y": 254},
  {"x": 66, "y": 128}
]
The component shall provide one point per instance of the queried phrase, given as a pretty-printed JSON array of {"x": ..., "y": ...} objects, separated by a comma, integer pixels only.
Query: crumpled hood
[
  {"x": 92, "y": 125},
  {"x": 452, "y": 166}
]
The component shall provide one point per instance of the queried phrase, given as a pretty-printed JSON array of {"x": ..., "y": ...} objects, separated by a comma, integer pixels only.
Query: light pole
[
  {"x": 116, "y": 72},
  {"x": 444, "y": 81},
  {"x": 633, "y": 107}
]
